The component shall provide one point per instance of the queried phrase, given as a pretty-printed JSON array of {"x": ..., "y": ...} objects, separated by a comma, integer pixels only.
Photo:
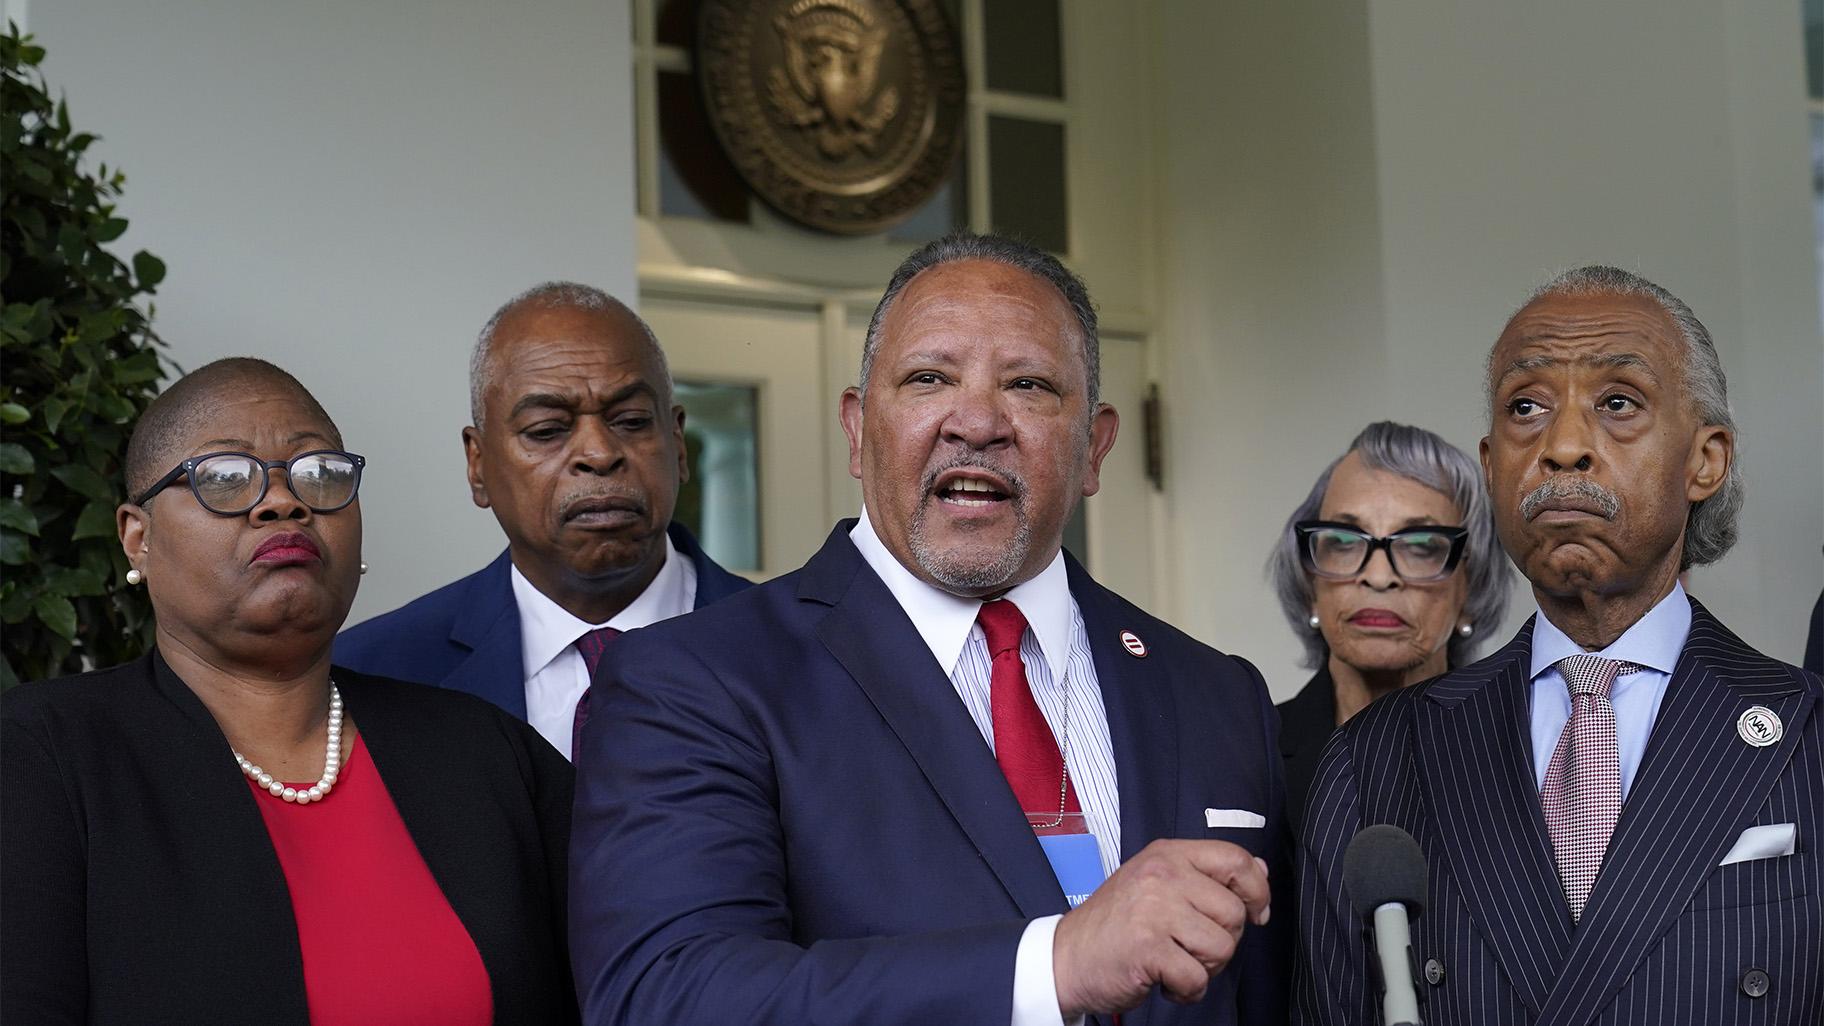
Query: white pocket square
[
  {"x": 1763, "y": 842},
  {"x": 1233, "y": 818}
]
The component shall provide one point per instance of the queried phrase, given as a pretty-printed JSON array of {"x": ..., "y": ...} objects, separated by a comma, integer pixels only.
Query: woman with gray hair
[{"x": 1388, "y": 571}]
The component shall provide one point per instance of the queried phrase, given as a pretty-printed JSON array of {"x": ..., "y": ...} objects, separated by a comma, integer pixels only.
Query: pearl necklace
[{"x": 332, "y": 763}]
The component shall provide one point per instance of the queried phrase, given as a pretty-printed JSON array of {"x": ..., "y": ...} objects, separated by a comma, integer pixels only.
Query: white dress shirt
[
  {"x": 1653, "y": 644},
  {"x": 556, "y": 675},
  {"x": 1062, "y": 674}
]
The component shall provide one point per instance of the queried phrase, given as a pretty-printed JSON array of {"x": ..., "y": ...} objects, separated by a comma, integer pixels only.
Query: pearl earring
[
  {"x": 1314, "y": 622},
  {"x": 1466, "y": 630},
  {"x": 364, "y": 567},
  {"x": 134, "y": 576}
]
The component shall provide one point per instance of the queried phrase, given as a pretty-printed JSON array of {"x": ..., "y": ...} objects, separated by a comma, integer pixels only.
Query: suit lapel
[
  {"x": 1142, "y": 718},
  {"x": 488, "y": 625},
  {"x": 870, "y": 635},
  {"x": 1699, "y": 784},
  {"x": 1476, "y": 764}
]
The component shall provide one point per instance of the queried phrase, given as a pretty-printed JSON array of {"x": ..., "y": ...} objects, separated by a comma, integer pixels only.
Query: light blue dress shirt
[{"x": 1653, "y": 643}]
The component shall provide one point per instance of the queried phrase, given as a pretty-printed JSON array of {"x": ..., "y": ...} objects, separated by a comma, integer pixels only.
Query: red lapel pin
[{"x": 1135, "y": 647}]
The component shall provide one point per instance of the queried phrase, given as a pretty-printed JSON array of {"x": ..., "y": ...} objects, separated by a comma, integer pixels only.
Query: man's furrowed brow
[
  {"x": 1541, "y": 361},
  {"x": 572, "y": 402},
  {"x": 1618, "y": 361},
  {"x": 632, "y": 390},
  {"x": 542, "y": 401},
  {"x": 926, "y": 358}
]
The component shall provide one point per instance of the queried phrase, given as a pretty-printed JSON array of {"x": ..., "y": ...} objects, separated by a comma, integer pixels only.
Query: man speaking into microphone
[
  {"x": 1620, "y": 810},
  {"x": 872, "y": 791}
]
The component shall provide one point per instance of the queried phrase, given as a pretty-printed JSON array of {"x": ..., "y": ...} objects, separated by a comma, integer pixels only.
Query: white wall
[
  {"x": 1272, "y": 334},
  {"x": 1361, "y": 194},
  {"x": 348, "y": 189}
]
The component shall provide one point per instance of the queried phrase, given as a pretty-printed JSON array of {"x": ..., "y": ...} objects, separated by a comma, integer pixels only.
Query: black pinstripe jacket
[{"x": 1669, "y": 936}]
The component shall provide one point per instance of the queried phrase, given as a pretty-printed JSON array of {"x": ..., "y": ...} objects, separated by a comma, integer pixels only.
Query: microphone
[{"x": 1384, "y": 872}]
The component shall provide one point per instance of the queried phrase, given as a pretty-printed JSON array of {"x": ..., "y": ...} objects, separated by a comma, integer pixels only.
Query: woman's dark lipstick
[
  {"x": 1377, "y": 618},
  {"x": 289, "y": 549}
]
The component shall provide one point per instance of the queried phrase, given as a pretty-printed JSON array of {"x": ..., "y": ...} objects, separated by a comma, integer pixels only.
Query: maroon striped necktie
[{"x": 591, "y": 647}]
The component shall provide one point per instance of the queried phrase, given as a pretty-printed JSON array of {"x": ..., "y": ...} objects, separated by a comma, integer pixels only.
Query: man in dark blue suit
[
  {"x": 840, "y": 797},
  {"x": 578, "y": 448},
  {"x": 1621, "y": 809}
]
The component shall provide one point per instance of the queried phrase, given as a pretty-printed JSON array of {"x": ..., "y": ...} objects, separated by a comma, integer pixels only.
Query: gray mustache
[
  {"x": 974, "y": 461},
  {"x": 1607, "y": 503}
]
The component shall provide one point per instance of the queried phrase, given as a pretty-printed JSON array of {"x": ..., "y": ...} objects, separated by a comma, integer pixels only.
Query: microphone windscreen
[{"x": 1383, "y": 864}]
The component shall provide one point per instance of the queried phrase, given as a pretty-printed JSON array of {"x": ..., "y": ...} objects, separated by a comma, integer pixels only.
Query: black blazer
[
  {"x": 1670, "y": 935},
  {"x": 140, "y": 885},
  {"x": 1306, "y": 721}
]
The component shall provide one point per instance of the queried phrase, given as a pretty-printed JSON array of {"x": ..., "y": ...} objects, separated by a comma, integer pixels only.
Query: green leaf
[
  {"x": 14, "y": 549},
  {"x": 18, "y": 315},
  {"x": 96, "y": 521},
  {"x": 85, "y": 481},
  {"x": 14, "y": 459},
  {"x": 75, "y": 581},
  {"x": 149, "y": 269},
  {"x": 56, "y": 612},
  {"x": 111, "y": 229},
  {"x": 18, "y": 516},
  {"x": 54, "y": 409},
  {"x": 100, "y": 326},
  {"x": 14, "y": 603},
  {"x": 13, "y": 413},
  {"x": 114, "y": 407},
  {"x": 139, "y": 368}
]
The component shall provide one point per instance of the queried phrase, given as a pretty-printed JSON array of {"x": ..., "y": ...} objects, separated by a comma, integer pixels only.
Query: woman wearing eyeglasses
[
  {"x": 229, "y": 829},
  {"x": 1388, "y": 572}
]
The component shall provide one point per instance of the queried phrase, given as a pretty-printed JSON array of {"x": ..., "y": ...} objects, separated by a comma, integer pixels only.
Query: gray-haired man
[
  {"x": 578, "y": 448},
  {"x": 1621, "y": 808}
]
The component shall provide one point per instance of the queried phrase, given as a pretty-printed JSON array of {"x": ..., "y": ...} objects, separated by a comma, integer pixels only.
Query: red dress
[{"x": 381, "y": 943}]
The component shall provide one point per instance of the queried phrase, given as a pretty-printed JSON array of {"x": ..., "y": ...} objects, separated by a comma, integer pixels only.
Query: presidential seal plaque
[{"x": 841, "y": 114}]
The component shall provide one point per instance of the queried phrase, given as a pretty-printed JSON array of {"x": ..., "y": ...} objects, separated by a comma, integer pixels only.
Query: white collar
[
  {"x": 546, "y": 629},
  {"x": 945, "y": 621},
  {"x": 1654, "y": 641}
]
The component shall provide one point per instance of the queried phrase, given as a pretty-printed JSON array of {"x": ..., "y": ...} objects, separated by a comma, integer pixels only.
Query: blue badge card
[{"x": 1076, "y": 862}]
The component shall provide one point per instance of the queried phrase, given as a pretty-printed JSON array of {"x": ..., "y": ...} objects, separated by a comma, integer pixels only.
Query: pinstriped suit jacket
[{"x": 1668, "y": 936}]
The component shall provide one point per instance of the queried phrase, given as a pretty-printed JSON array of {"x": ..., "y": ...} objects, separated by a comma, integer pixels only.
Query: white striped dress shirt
[{"x": 556, "y": 675}]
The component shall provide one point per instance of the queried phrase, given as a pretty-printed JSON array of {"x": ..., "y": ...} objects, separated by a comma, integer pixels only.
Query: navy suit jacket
[
  {"x": 786, "y": 816},
  {"x": 1668, "y": 935},
  {"x": 465, "y": 635}
]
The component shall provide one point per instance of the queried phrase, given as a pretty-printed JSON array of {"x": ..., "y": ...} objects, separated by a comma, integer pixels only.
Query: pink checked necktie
[
  {"x": 1582, "y": 796},
  {"x": 590, "y": 646}
]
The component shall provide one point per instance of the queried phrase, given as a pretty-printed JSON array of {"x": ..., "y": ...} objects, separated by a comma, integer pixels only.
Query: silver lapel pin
[{"x": 1760, "y": 726}]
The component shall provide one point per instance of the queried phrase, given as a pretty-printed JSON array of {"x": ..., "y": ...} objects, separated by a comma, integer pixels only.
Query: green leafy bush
[{"x": 80, "y": 362}]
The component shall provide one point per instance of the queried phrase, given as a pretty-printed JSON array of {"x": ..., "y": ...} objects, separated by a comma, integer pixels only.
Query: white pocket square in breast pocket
[
  {"x": 1233, "y": 818},
  {"x": 1763, "y": 842}
]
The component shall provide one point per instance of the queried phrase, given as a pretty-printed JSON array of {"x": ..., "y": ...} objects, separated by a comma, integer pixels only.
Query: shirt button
[
  {"x": 1755, "y": 983},
  {"x": 1434, "y": 972}
]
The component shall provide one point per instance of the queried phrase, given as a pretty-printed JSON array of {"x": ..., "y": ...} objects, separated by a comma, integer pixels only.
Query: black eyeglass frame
[
  {"x": 1458, "y": 536},
  {"x": 187, "y": 467}
]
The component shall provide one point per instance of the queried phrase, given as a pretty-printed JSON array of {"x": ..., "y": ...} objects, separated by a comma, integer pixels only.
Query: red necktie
[
  {"x": 1023, "y": 742},
  {"x": 1582, "y": 794},
  {"x": 590, "y": 646}
]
